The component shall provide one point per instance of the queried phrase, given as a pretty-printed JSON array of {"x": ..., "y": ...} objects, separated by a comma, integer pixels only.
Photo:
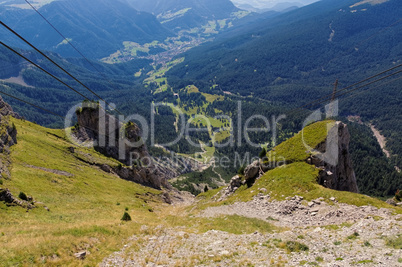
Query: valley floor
[{"x": 269, "y": 233}]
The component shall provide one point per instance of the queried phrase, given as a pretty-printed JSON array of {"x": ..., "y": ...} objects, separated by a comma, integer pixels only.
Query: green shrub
[
  {"x": 1, "y": 182},
  {"x": 337, "y": 243},
  {"x": 263, "y": 153},
  {"x": 126, "y": 217},
  {"x": 292, "y": 246},
  {"x": 353, "y": 236},
  {"x": 319, "y": 259},
  {"x": 241, "y": 170},
  {"x": 398, "y": 195},
  {"x": 23, "y": 196},
  {"x": 395, "y": 242},
  {"x": 364, "y": 261}
]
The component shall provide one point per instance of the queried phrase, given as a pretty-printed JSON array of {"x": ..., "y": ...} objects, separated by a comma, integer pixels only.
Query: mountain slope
[
  {"x": 296, "y": 47},
  {"x": 186, "y": 14},
  {"x": 85, "y": 203},
  {"x": 97, "y": 28},
  {"x": 296, "y": 57},
  {"x": 294, "y": 168}
]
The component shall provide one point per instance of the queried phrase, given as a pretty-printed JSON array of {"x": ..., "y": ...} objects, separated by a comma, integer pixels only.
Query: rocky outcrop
[
  {"x": 120, "y": 141},
  {"x": 8, "y": 136},
  {"x": 7, "y": 197},
  {"x": 234, "y": 184},
  {"x": 331, "y": 157},
  {"x": 6, "y": 110},
  {"x": 254, "y": 171},
  {"x": 339, "y": 176}
]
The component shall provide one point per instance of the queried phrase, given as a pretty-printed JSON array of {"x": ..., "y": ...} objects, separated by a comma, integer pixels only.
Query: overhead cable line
[
  {"x": 328, "y": 96},
  {"x": 34, "y": 105},
  {"x": 350, "y": 91},
  {"x": 42, "y": 69},
  {"x": 57, "y": 65},
  {"x": 295, "y": 111},
  {"x": 75, "y": 48},
  {"x": 378, "y": 86}
]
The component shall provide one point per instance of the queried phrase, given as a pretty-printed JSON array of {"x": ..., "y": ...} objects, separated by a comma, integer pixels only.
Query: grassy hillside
[
  {"x": 296, "y": 177},
  {"x": 86, "y": 204}
]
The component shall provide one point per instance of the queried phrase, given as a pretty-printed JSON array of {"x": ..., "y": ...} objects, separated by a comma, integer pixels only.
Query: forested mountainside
[
  {"x": 98, "y": 31},
  {"x": 273, "y": 53},
  {"x": 37, "y": 87},
  {"x": 186, "y": 14},
  {"x": 273, "y": 181},
  {"x": 296, "y": 57},
  {"x": 69, "y": 201}
]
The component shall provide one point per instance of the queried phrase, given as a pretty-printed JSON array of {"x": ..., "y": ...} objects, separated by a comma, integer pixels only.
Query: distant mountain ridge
[
  {"x": 298, "y": 47},
  {"x": 98, "y": 31},
  {"x": 296, "y": 57},
  {"x": 186, "y": 14},
  {"x": 270, "y": 4}
]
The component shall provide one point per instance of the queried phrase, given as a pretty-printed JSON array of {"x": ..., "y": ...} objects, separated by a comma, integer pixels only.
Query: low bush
[
  {"x": 126, "y": 217},
  {"x": 23, "y": 196}
]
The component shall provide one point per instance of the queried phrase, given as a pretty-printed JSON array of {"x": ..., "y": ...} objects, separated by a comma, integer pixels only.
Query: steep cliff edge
[
  {"x": 339, "y": 176},
  {"x": 323, "y": 145},
  {"x": 8, "y": 137},
  {"x": 122, "y": 142}
]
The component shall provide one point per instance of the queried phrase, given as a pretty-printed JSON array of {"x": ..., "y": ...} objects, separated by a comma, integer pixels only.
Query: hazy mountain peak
[
  {"x": 371, "y": 2},
  {"x": 23, "y": 5}
]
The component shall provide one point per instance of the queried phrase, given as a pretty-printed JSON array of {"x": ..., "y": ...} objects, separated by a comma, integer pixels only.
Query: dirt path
[
  {"x": 381, "y": 140},
  {"x": 361, "y": 242}
]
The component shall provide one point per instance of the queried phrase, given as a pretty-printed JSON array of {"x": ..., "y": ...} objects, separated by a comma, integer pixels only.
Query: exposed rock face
[
  {"x": 254, "y": 171},
  {"x": 6, "y": 196},
  {"x": 340, "y": 176},
  {"x": 8, "y": 136},
  {"x": 122, "y": 142},
  {"x": 6, "y": 110},
  {"x": 234, "y": 184}
]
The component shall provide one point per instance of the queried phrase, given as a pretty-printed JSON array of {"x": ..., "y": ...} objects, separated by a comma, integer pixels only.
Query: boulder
[
  {"x": 391, "y": 201},
  {"x": 234, "y": 184},
  {"x": 81, "y": 255},
  {"x": 252, "y": 170},
  {"x": 7, "y": 197}
]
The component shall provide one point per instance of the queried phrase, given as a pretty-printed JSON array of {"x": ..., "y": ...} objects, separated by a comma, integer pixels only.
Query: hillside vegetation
[
  {"x": 296, "y": 177},
  {"x": 296, "y": 57},
  {"x": 85, "y": 203},
  {"x": 79, "y": 207}
]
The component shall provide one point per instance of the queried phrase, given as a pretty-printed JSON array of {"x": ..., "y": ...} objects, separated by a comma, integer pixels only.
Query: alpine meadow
[{"x": 200, "y": 133}]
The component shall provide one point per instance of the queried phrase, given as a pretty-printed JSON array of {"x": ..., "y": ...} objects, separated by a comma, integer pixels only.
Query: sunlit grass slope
[
  {"x": 86, "y": 203},
  {"x": 86, "y": 206},
  {"x": 296, "y": 177}
]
